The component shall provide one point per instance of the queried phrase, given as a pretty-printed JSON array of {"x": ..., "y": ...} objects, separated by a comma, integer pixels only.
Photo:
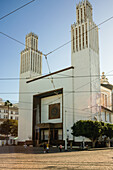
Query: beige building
[
  {"x": 6, "y": 112},
  {"x": 106, "y": 100},
  {"x": 13, "y": 112}
]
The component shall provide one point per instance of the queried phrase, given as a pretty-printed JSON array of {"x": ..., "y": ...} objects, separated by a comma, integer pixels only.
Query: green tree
[
  {"x": 9, "y": 127},
  {"x": 87, "y": 128},
  {"x": 108, "y": 131}
]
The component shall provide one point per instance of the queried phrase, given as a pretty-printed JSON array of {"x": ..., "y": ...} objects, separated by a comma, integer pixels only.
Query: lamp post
[{"x": 65, "y": 132}]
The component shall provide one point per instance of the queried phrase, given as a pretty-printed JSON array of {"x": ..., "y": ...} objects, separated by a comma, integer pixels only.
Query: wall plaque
[{"x": 54, "y": 111}]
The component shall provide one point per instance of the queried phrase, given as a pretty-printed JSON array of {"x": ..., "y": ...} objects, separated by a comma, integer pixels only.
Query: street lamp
[{"x": 65, "y": 132}]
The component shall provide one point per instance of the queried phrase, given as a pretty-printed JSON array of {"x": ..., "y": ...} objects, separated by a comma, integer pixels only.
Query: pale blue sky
[{"x": 51, "y": 20}]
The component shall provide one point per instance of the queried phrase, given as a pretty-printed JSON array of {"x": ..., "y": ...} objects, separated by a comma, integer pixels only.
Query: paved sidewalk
[
  {"x": 17, "y": 157},
  {"x": 40, "y": 150}
]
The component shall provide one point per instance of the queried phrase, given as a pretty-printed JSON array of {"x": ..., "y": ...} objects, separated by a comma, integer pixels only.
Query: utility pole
[{"x": 65, "y": 132}]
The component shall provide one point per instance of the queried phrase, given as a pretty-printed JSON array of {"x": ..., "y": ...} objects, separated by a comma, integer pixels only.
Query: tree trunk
[
  {"x": 93, "y": 143},
  {"x": 108, "y": 142}
]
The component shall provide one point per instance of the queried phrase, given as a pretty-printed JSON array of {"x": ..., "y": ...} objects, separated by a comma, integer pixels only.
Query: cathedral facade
[{"x": 49, "y": 106}]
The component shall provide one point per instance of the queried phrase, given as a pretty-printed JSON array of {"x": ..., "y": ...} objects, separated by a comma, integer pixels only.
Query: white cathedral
[{"x": 48, "y": 106}]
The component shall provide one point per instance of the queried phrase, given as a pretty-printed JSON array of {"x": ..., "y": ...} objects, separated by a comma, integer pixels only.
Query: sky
[{"x": 51, "y": 20}]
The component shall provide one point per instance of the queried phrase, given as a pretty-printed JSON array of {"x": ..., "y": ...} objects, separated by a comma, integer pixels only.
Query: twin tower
[{"x": 84, "y": 58}]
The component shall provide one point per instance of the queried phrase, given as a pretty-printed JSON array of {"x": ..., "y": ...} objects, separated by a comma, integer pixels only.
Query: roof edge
[{"x": 68, "y": 68}]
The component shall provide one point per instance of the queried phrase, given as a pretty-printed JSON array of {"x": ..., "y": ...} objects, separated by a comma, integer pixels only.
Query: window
[
  {"x": 73, "y": 40},
  {"x": 83, "y": 36},
  {"x": 105, "y": 117},
  {"x": 84, "y": 13},
  {"x": 5, "y": 117},
  {"x": 79, "y": 38},
  {"x": 11, "y": 117},
  {"x": 76, "y": 39},
  {"x": 102, "y": 97},
  {"x": 81, "y": 14},
  {"x": 105, "y": 100},
  {"x": 0, "y": 116},
  {"x": 78, "y": 15},
  {"x": 86, "y": 36},
  {"x": 110, "y": 117},
  {"x": 11, "y": 112},
  {"x": 31, "y": 60},
  {"x": 34, "y": 43}
]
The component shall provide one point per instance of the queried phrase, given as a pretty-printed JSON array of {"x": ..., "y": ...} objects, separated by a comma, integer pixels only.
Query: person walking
[
  {"x": 47, "y": 147},
  {"x": 60, "y": 147},
  {"x": 44, "y": 146}
]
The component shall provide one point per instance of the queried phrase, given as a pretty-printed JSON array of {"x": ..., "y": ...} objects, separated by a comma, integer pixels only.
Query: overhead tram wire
[
  {"x": 50, "y": 71},
  {"x": 62, "y": 44},
  {"x": 59, "y": 46},
  {"x": 16, "y": 9},
  {"x": 65, "y": 76},
  {"x": 78, "y": 36}
]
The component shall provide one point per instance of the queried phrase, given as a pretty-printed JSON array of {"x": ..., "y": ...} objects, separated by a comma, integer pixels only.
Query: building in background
[
  {"x": 49, "y": 106},
  {"x": 13, "y": 112},
  {"x": 106, "y": 100}
]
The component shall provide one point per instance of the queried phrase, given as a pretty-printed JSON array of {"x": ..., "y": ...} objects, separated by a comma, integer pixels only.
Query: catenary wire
[
  {"x": 16, "y": 9},
  {"x": 64, "y": 43}
]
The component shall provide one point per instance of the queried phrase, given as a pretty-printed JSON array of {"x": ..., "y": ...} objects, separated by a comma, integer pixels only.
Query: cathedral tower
[
  {"x": 31, "y": 58},
  {"x": 85, "y": 59}
]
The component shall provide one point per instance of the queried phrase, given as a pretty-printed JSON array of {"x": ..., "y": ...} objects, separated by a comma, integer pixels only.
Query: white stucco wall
[
  {"x": 87, "y": 87},
  {"x": 27, "y": 90}
]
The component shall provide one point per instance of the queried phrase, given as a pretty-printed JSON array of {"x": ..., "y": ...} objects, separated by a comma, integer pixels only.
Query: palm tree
[{"x": 8, "y": 103}]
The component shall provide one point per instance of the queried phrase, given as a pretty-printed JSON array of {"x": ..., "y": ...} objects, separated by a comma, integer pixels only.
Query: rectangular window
[
  {"x": 76, "y": 39},
  {"x": 46, "y": 134},
  {"x": 31, "y": 60},
  {"x": 110, "y": 117},
  {"x": 31, "y": 43},
  {"x": 11, "y": 112},
  {"x": 105, "y": 117},
  {"x": 79, "y": 38},
  {"x": 86, "y": 36},
  {"x": 84, "y": 13},
  {"x": 81, "y": 15},
  {"x": 105, "y": 100},
  {"x": 34, "y": 43},
  {"x": 0, "y": 111},
  {"x": 73, "y": 40},
  {"x": 83, "y": 36},
  {"x": 78, "y": 15}
]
